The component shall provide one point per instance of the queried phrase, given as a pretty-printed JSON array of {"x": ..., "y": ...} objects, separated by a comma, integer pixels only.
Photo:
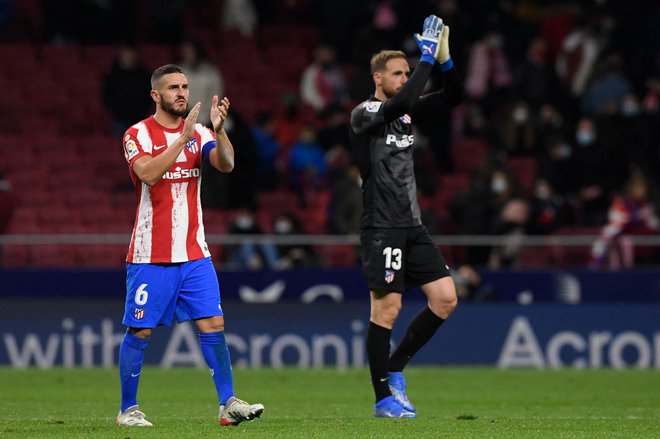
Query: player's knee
[
  {"x": 142, "y": 333},
  {"x": 445, "y": 303},
  {"x": 211, "y": 324}
]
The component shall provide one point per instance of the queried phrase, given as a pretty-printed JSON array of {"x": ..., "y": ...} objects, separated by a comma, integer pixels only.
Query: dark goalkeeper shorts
[{"x": 397, "y": 259}]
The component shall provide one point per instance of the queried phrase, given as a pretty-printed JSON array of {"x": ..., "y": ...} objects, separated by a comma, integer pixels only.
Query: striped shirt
[{"x": 168, "y": 221}]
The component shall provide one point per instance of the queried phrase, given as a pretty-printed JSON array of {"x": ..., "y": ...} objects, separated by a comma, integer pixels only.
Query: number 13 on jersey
[{"x": 392, "y": 258}]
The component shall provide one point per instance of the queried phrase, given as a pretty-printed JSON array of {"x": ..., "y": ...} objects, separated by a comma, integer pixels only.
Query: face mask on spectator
[
  {"x": 498, "y": 185},
  {"x": 282, "y": 227},
  {"x": 564, "y": 151},
  {"x": 520, "y": 115},
  {"x": 542, "y": 192},
  {"x": 244, "y": 222},
  {"x": 629, "y": 109},
  {"x": 585, "y": 137}
]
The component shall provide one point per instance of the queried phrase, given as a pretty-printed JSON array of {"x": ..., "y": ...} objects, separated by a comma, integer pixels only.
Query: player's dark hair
[
  {"x": 379, "y": 60},
  {"x": 162, "y": 71}
]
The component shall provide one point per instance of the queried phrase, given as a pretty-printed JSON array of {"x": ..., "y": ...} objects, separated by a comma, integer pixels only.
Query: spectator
[
  {"x": 240, "y": 15},
  {"x": 531, "y": 78},
  {"x": 470, "y": 286},
  {"x": 242, "y": 181},
  {"x": 488, "y": 71},
  {"x": 334, "y": 132},
  {"x": 547, "y": 209},
  {"x": 268, "y": 149},
  {"x": 307, "y": 167},
  {"x": 204, "y": 77},
  {"x": 345, "y": 207},
  {"x": 292, "y": 255},
  {"x": 126, "y": 90},
  {"x": 323, "y": 82},
  {"x": 557, "y": 165},
  {"x": 631, "y": 213},
  {"x": 514, "y": 129},
  {"x": 288, "y": 121},
  {"x": 250, "y": 254},
  {"x": 550, "y": 127},
  {"x": 592, "y": 178},
  {"x": 606, "y": 90},
  {"x": 237, "y": 189},
  {"x": 576, "y": 58}
]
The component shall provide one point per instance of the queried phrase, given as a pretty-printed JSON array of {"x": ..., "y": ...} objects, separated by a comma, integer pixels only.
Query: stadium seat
[
  {"x": 102, "y": 255},
  {"x": 339, "y": 256},
  {"x": 468, "y": 154},
  {"x": 524, "y": 169},
  {"x": 16, "y": 255},
  {"x": 58, "y": 256}
]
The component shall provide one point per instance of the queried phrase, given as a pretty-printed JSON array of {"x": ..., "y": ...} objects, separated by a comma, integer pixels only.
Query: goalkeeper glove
[
  {"x": 442, "y": 51},
  {"x": 429, "y": 41}
]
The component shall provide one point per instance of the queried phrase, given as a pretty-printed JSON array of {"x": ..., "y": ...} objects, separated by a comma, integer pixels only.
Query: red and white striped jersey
[{"x": 168, "y": 221}]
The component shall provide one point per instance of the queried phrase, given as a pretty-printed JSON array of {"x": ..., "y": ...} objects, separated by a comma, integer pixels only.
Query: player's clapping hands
[
  {"x": 189, "y": 124},
  {"x": 219, "y": 110},
  {"x": 434, "y": 41}
]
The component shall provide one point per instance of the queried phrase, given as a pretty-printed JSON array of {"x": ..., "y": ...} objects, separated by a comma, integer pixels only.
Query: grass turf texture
[{"x": 451, "y": 402}]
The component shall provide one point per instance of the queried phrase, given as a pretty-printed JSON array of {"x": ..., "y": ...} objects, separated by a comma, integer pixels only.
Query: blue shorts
[{"x": 155, "y": 293}]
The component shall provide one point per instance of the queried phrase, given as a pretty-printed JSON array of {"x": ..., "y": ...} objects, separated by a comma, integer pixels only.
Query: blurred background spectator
[
  {"x": 323, "y": 82},
  {"x": 204, "y": 78},
  {"x": 250, "y": 254},
  {"x": 268, "y": 149},
  {"x": 292, "y": 255},
  {"x": 126, "y": 90},
  {"x": 631, "y": 213}
]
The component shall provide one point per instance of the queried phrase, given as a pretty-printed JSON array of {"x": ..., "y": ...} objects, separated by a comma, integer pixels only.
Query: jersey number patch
[
  {"x": 141, "y": 295},
  {"x": 392, "y": 258}
]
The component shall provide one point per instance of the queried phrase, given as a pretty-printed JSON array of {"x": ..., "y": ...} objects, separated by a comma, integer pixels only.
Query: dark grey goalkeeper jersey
[
  {"x": 382, "y": 145},
  {"x": 384, "y": 152}
]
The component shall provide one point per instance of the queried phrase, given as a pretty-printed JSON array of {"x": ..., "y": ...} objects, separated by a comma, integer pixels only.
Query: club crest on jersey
[
  {"x": 193, "y": 146},
  {"x": 138, "y": 313},
  {"x": 389, "y": 276},
  {"x": 131, "y": 148},
  {"x": 372, "y": 107},
  {"x": 405, "y": 118}
]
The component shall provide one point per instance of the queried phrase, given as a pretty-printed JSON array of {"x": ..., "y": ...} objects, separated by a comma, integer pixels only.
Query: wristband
[{"x": 447, "y": 65}]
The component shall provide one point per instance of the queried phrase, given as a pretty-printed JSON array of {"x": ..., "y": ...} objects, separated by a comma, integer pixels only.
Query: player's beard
[
  {"x": 389, "y": 91},
  {"x": 169, "y": 107}
]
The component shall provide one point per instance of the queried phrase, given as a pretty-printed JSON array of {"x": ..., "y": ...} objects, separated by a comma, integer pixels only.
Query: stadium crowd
[{"x": 562, "y": 113}]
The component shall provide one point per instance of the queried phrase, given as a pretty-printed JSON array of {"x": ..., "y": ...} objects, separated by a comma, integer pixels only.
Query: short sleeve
[{"x": 133, "y": 148}]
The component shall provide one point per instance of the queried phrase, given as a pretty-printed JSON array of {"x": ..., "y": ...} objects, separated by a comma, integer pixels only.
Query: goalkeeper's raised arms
[{"x": 434, "y": 42}]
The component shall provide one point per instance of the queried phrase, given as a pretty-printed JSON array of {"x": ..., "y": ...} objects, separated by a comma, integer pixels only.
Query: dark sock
[
  {"x": 420, "y": 331},
  {"x": 378, "y": 352}
]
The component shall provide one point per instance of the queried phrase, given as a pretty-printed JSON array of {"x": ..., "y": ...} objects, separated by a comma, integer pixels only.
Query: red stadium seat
[
  {"x": 16, "y": 255},
  {"x": 102, "y": 255},
  {"x": 524, "y": 169},
  {"x": 59, "y": 256},
  {"x": 468, "y": 154}
]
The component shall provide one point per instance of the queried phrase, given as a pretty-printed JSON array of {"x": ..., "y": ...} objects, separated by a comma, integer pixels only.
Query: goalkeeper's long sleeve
[{"x": 404, "y": 101}]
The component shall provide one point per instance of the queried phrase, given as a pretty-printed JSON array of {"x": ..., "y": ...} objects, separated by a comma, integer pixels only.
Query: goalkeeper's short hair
[{"x": 379, "y": 60}]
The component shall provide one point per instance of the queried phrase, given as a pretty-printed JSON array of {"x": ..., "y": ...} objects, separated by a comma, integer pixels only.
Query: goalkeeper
[{"x": 397, "y": 251}]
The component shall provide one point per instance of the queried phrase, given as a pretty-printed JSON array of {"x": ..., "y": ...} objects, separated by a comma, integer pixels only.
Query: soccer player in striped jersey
[
  {"x": 397, "y": 251},
  {"x": 169, "y": 270}
]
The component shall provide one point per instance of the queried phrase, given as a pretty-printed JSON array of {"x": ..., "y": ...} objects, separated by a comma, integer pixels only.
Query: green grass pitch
[{"x": 451, "y": 403}]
